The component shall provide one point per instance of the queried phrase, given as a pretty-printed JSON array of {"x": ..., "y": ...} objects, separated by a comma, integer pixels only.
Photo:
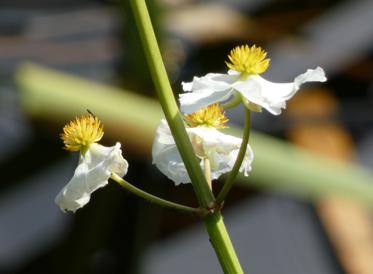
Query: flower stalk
[
  {"x": 214, "y": 222},
  {"x": 168, "y": 103},
  {"x": 241, "y": 154},
  {"x": 156, "y": 200}
]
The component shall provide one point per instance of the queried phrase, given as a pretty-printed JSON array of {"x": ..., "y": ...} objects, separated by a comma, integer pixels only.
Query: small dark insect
[{"x": 90, "y": 112}]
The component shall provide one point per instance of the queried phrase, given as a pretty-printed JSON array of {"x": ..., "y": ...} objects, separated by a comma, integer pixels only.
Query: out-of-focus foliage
[{"x": 278, "y": 165}]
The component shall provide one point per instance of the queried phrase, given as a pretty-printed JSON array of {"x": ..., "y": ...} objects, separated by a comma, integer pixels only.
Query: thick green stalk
[
  {"x": 169, "y": 106},
  {"x": 241, "y": 155},
  {"x": 214, "y": 222},
  {"x": 222, "y": 244},
  {"x": 155, "y": 199},
  {"x": 218, "y": 234}
]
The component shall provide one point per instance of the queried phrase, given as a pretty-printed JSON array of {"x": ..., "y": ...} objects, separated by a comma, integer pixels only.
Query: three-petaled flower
[
  {"x": 243, "y": 80},
  {"x": 96, "y": 162},
  {"x": 208, "y": 142}
]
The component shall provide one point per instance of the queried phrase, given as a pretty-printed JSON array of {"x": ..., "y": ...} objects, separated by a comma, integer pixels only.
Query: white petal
[
  {"x": 93, "y": 172},
  {"x": 234, "y": 72},
  {"x": 311, "y": 75},
  {"x": 207, "y": 90},
  {"x": 216, "y": 81},
  {"x": 273, "y": 96},
  {"x": 166, "y": 156},
  {"x": 222, "y": 151}
]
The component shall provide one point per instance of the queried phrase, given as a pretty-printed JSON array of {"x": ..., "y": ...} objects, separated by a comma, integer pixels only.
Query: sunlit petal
[
  {"x": 273, "y": 96},
  {"x": 93, "y": 171},
  {"x": 207, "y": 90},
  {"x": 221, "y": 149}
]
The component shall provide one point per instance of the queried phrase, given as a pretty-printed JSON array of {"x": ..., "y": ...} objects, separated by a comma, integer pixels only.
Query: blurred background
[{"x": 298, "y": 212}]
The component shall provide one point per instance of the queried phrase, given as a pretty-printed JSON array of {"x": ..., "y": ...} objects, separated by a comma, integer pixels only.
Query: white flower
[
  {"x": 93, "y": 171},
  {"x": 221, "y": 150},
  {"x": 96, "y": 162},
  {"x": 243, "y": 79}
]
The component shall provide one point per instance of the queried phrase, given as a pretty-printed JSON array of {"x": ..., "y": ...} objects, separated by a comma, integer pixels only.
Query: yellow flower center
[
  {"x": 248, "y": 60},
  {"x": 210, "y": 116},
  {"x": 79, "y": 133}
]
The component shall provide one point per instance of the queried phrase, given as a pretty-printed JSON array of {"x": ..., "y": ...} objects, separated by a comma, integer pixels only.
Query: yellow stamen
[
  {"x": 248, "y": 60},
  {"x": 79, "y": 133},
  {"x": 210, "y": 116}
]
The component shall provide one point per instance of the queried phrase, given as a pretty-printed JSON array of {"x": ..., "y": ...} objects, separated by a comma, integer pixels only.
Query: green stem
[
  {"x": 167, "y": 100},
  {"x": 219, "y": 236},
  {"x": 222, "y": 244},
  {"x": 241, "y": 155},
  {"x": 214, "y": 222},
  {"x": 156, "y": 200}
]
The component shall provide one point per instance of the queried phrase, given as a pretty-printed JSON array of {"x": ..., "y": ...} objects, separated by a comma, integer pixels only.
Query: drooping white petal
[
  {"x": 207, "y": 90},
  {"x": 93, "y": 172},
  {"x": 166, "y": 156},
  {"x": 273, "y": 96},
  {"x": 220, "y": 148}
]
